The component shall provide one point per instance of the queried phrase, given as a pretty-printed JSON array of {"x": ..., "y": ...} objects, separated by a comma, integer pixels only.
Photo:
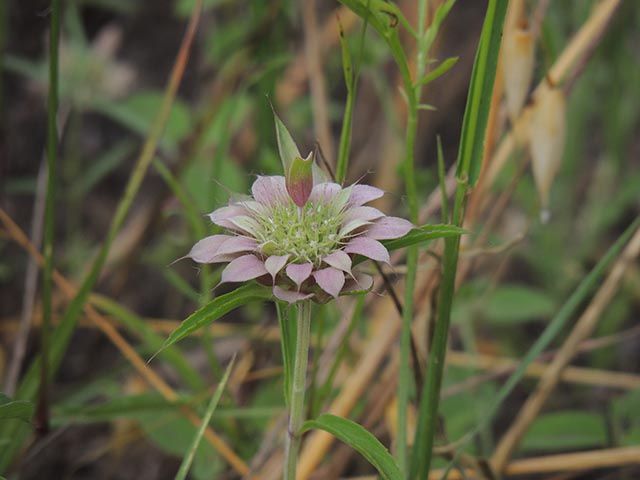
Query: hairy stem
[{"x": 296, "y": 404}]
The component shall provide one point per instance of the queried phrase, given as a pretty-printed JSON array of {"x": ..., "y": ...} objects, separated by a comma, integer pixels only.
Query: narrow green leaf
[
  {"x": 101, "y": 167},
  {"x": 384, "y": 18},
  {"x": 26, "y": 68},
  {"x": 116, "y": 407},
  {"x": 215, "y": 309},
  {"x": 347, "y": 65},
  {"x": 440, "y": 70},
  {"x": 483, "y": 76},
  {"x": 442, "y": 178},
  {"x": 467, "y": 170},
  {"x": 19, "y": 409},
  {"x": 510, "y": 304},
  {"x": 440, "y": 14},
  {"x": 566, "y": 430},
  {"x": 359, "y": 439},
  {"x": 136, "y": 113},
  {"x": 351, "y": 79},
  {"x": 424, "y": 234},
  {"x": 287, "y": 148},
  {"x": 188, "y": 459}
]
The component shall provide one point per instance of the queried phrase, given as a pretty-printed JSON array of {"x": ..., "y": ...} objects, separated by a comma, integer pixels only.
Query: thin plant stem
[
  {"x": 474, "y": 126},
  {"x": 413, "y": 94},
  {"x": 352, "y": 85},
  {"x": 42, "y": 416},
  {"x": 296, "y": 404}
]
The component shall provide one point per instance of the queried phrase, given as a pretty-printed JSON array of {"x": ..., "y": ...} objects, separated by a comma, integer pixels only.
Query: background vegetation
[{"x": 131, "y": 193}]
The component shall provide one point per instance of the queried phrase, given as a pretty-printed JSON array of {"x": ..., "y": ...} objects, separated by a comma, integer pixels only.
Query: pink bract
[{"x": 303, "y": 250}]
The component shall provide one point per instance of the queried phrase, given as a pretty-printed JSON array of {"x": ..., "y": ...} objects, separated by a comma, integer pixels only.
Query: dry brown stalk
[
  {"x": 566, "y": 462},
  {"x": 571, "y": 57},
  {"x": 586, "y": 376},
  {"x": 295, "y": 78},
  {"x": 581, "y": 331},
  {"x": 317, "y": 83},
  {"x": 69, "y": 290}
]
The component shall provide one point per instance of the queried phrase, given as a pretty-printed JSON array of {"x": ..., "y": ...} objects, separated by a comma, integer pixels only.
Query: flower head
[
  {"x": 302, "y": 251},
  {"x": 300, "y": 233}
]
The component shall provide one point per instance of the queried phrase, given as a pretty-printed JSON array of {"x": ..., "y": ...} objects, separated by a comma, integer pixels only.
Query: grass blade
[
  {"x": 469, "y": 162},
  {"x": 20, "y": 409},
  {"x": 476, "y": 112},
  {"x": 188, "y": 459}
]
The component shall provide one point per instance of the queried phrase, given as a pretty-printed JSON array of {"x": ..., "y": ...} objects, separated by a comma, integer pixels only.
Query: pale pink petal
[
  {"x": 237, "y": 244},
  {"x": 362, "y": 194},
  {"x": 270, "y": 190},
  {"x": 226, "y": 258},
  {"x": 363, "y": 213},
  {"x": 330, "y": 279},
  {"x": 245, "y": 224},
  {"x": 339, "y": 260},
  {"x": 243, "y": 268},
  {"x": 206, "y": 249},
  {"x": 299, "y": 272},
  {"x": 257, "y": 209},
  {"x": 275, "y": 263},
  {"x": 361, "y": 283},
  {"x": 389, "y": 227},
  {"x": 368, "y": 247},
  {"x": 324, "y": 192},
  {"x": 289, "y": 296},
  {"x": 351, "y": 226},
  {"x": 222, "y": 216}
]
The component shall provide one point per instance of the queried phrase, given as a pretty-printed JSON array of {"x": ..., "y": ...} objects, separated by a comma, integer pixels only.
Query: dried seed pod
[
  {"x": 548, "y": 132},
  {"x": 518, "y": 52}
]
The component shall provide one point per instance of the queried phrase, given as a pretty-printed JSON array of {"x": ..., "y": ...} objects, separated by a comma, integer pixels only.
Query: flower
[
  {"x": 300, "y": 233},
  {"x": 300, "y": 236}
]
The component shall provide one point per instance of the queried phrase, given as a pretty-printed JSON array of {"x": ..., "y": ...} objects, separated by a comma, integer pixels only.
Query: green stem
[
  {"x": 49, "y": 214},
  {"x": 296, "y": 405},
  {"x": 468, "y": 166}
]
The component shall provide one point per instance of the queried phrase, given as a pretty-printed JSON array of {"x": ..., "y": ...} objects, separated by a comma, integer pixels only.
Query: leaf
[
  {"x": 19, "y": 409},
  {"x": 625, "y": 411},
  {"x": 100, "y": 167},
  {"x": 440, "y": 70},
  {"x": 384, "y": 17},
  {"x": 361, "y": 440},
  {"x": 483, "y": 75},
  {"x": 424, "y": 234},
  {"x": 467, "y": 170},
  {"x": 510, "y": 304},
  {"x": 188, "y": 459},
  {"x": 174, "y": 434},
  {"x": 138, "y": 112},
  {"x": 440, "y": 14},
  {"x": 215, "y": 309},
  {"x": 287, "y": 148},
  {"x": 567, "y": 430},
  {"x": 119, "y": 406}
]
